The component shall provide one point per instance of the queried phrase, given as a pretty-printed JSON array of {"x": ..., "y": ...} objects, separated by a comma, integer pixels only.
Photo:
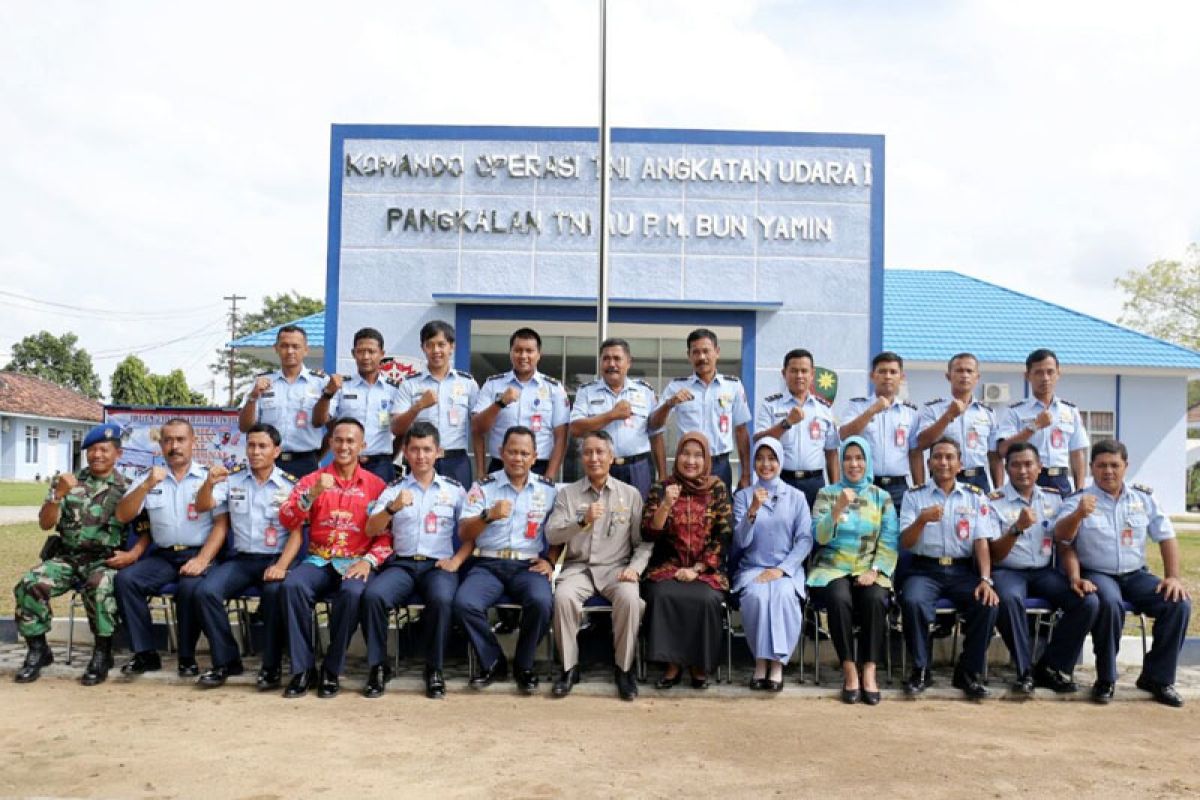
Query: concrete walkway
[{"x": 11, "y": 515}]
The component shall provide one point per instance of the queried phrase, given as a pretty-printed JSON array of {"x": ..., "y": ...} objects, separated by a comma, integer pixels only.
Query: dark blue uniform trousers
[
  {"x": 455, "y": 466},
  {"x": 1170, "y": 623},
  {"x": 395, "y": 584},
  {"x": 231, "y": 579},
  {"x": 895, "y": 490},
  {"x": 486, "y": 580},
  {"x": 298, "y": 467},
  {"x": 146, "y": 578},
  {"x": 722, "y": 469},
  {"x": 1079, "y": 614},
  {"x": 381, "y": 466},
  {"x": 302, "y": 588},
  {"x": 1061, "y": 482},
  {"x": 636, "y": 475},
  {"x": 980, "y": 479},
  {"x": 918, "y": 601},
  {"x": 810, "y": 486}
]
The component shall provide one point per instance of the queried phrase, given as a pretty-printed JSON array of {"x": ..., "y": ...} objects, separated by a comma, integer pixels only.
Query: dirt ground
[{"x": 149, "y": 740}]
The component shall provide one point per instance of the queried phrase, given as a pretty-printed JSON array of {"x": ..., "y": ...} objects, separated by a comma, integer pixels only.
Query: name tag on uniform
[
  {"x": 349, "y": 397},
  {"x": 599, "y": 401}
]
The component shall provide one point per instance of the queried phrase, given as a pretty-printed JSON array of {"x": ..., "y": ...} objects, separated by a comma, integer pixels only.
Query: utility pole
[
  {"x": 602, "y": 228},
  {"x": 233, "y": 321}
]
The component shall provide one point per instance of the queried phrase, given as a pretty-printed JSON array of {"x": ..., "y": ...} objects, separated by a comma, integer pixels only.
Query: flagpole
[{"x": 602, "y": 165}]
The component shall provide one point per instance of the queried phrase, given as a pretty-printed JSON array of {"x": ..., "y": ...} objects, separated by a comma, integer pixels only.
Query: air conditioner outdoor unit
[{"x": 995, "y": 393}]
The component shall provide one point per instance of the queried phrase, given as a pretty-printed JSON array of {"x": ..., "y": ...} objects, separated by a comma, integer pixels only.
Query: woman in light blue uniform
[{"x": 772, "y": 536}]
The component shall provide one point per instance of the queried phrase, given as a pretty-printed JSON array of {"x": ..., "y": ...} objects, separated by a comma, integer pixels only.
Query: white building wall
[{"x": 1153, "y": 425}]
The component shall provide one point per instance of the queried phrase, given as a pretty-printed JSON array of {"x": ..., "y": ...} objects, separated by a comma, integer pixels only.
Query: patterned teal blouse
[{"x": 866, "y": 536}]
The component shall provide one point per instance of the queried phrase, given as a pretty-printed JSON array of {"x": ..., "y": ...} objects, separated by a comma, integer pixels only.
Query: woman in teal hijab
[{"x": 857, "y": 534}]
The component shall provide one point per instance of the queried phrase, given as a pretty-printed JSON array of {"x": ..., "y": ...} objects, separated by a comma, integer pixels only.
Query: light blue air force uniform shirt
[
  {"x": 372, "y": 404},
  {"x": 456, "y": 393},
  {"x": 171, "y": 506},
  {"x": 289, "y": 407},
  {"x": 805, "y": 443},
  {"x": 254, "y": 509},
  {"x": 1035, "y": 546},
  {"x": 974, "y": 429},
  {"x": 1055, "y": 443},
  {"x": 891, "y": 434},
  {"x": 966, "y": 517},
  {"x": 542, "y": 406},
  {"x": 525, "y": 528},
  {"x": 715, "y": 410},
  {"x": 631, "y": 436},
  {"x": 427, "y": 527},
  {"x": 1112, "y": 539}
]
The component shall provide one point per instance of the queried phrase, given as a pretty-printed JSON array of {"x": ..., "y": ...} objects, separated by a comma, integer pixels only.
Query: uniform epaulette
[
  {"x": 289, "y": 477},
  {"x": 821, "y": 399},
  {"x": 590, "y": 383},
  {"x": 497, "y": 376},
  {"x": 464, "y": 374},
  {"x": 1016, "y": 403},
  {"x": 552, "y": 381},
  {"x": 237, "y": 469},
  {"x": 320, "y": 373},
  {"x": 1052, "y": 490},
  {"x": 265, "y": 374},
  {"x": 450, "y": 481},
  {"x": 396, "y": 481},
  {"x": 1143, "y": 488},
  {"x": 682, "y": 378},
  {"x": 486, "y": 479},
  {"x": 771, "y": 398},
  {"x": 934, "y": 401},
  {"x": 996, "y": 494},
  {"x": 858, "y": 399},
  {"x": 643, "y": 383},
  {"x": 545, "y": 480},
  {"x": 973, "y": 488},
  {"x": 910, "y": 405},
  {"x": 731, "y": 378}
]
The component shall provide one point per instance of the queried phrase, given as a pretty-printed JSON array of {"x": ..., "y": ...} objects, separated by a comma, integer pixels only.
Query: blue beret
[{"x": 107, "y": 432}]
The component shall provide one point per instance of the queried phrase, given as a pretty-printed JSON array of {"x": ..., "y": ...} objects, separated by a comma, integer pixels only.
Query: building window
[
  {"x": 1100, "y": 425},
  {"x": 31, "y": 444},
  {"x": 52, "y": 434}
]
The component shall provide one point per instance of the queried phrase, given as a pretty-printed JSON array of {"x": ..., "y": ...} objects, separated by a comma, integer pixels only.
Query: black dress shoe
[
  {"x": 217, "y": 676},
  {"x": 97, "y": 669},
  {"x": 666, "y": 683},
  {"x": 850, "y": 696},
  {"x": 147, "y": 661},
  {"x": 527, "y": 681},
  {"x": 871, "y": 698},
  {"x": 565, "y": 682},
  {"x": 772, "y": 686},
  {"x": 626, "y": 684},
  {"x": 187, "y": 668},
  {"x": 300, "y": 684},
  {"x": 758, "y": 684},
  {"x": 376, "y": 680},
  {"x": 37, "y": 656},
  {"x": 487, "y": 677},
  {"x": 1164, "y": 693},
  {"x": 918, "y": 681},
  {"x": 329, "y": 684},
  {"x": 971, "y": 684},
  {"x": 1103, "y": 692},
  {"x": 700, "y": 683},
  {"x": 435, "y": 684},
  {"x": 1052, "y": 679},
  {"x": 1022, "y": 687},
  {"x": 268, "y": 678}
]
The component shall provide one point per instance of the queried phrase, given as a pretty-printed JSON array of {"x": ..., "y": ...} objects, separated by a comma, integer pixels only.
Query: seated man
[
  {"x": 942, "y": 524},
  {"x": 262, "y": 553},
  {"x": 504, "y": 519},
  {"x": 334, "y": 502},
  {"x": 420, "y": 511},
  {"x": 1025, "y": 513},
  {"x": 185, "y": 542},
  {"x": 599, "y": 519},
  {"x": 82, "y": 507},
  {"x": 1104, "y": 529}
]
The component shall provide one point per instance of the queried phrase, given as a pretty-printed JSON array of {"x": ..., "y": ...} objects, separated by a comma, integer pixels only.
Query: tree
[
  {"x": 276, "y": 310},
  {"x": 132, "y": 384},
  {"x": 1163, "y": 299},
  {"x": 58, "y": 359}
]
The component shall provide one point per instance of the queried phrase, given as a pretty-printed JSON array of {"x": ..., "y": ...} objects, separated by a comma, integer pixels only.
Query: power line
[
  {"x": 107, "y": 312},
  {"x": 233, "y": 324},
  {"x": 139, "y": 349}
]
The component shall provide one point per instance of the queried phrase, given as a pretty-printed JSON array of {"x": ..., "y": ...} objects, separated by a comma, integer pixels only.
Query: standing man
[
  {"x": 890, "y": 425},
  {"x": 527, "y": 398},
  {"x": 82, "y": 508},
  {"x": 442, "y": 397},
  {"x": 504, "y": 521},
  {"x": 1051, "y": 423},
  {"x": 186, "y": 540},
  {"x": 341, "y": 554},
  {"x": 1025, "y": 514},
  {"x": 965, "y": 420},
  {"x": 804, "y": 425},
  {"x": 621, "y": 408},
  {"x": 711, "y": 403},
  {"x": 368, "y": 397},
  {"x": 1104, "y": 529},
  {"x": 263, "y": 551},
  {"x": 599, "y": 519},
  {"x": 943, "y": 524},
  {"x": 287, "y": 399},
  {"x": 421, "y": 513}
]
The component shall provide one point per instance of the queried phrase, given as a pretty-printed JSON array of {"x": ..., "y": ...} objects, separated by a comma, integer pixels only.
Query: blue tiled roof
[
  {"x": 313, "y": 325},
  {"x": 929, "y": 315}
]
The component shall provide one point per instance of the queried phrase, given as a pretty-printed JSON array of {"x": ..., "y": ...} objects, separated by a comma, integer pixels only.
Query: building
[{"x": 41, "y": 426}]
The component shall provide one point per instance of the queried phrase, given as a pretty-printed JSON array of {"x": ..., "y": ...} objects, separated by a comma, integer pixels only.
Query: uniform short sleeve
[
  {"x": 765, "y": 417},
  {"x": 914, "y": 430},
  {"x": 404, "y": 398},
  {"x": 483, "y": 399},
  {"x": 989, "y": 522},
  {"x": 925, "y": 418},
  {"x": 1069, "y": 505},
  {"x": 220, "y": 494},
  {"x": 562, "y": 407},
  {"x": 389, "y": 494},
  {"x": 475, "y": 501},
  {"x": 1009, "y": 424},
  {"x": 908, "y": 510},
  {"x": 651, "y": 404},
  {"x": 1160, "y": 528},
  {"x": 833, "y": 441},
  {"x": 670, "y": 391},
  {"x": 579, "y": 409},
  {"x": 1079, "y": 439},
  {"x": 472, "y": 393},
  {"x": 741, "y": 409}
]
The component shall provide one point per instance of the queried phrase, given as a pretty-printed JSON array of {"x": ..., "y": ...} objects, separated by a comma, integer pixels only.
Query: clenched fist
[
  {"x": 931, "y": 514},
  {"x": 63, "y": 485},
  {"x": 402, "y": 501},
  {"x": 955, "y": 409},
  {"x": 1026, "y": 518},
  {"x": 1043, "y": 420},
  {"x": 511, "y": 395},
  {"x": 261, "y": 384},
  {"x": 621, "y": 410},
  {"x": 671, "y": 494},
  {"x": 157, "y": 476},
  {"x": 760, "y": 497},
  {"x": 1087, "y": 504},
  {"x": 881, "y": 404},
  {"x": 682, "y": 396},
  {"x": 594, "y": 512},
  {"x": 795, "y": 416},
  {"x": 428, "y": 399},
  {"x": 324, "y": 483},
  {"x": 217, "y": 473},
  {"x": 500, "y": 510},
  {"x": 335, "y": 384}
]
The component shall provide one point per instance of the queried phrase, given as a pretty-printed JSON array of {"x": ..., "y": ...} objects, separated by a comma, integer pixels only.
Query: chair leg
[
  {"x": 71, "y": 628},
  {"x": 1142, "y": 621},
  {"x": 817, "y": 648}
]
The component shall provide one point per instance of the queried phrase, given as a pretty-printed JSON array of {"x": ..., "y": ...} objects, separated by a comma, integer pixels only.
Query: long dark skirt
[{"x": 683, "y": 623}]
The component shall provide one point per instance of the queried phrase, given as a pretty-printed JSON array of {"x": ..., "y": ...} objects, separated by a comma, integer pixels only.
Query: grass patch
[
  {"x": 22, "y": 493},
  {"x": 19, "y": 547}
]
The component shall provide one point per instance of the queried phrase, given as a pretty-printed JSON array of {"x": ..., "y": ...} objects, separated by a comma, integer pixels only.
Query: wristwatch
[
  {"x": 501, "y": 403},
  {"x": 1014, "y": 531},
  {"x": 988, "y": 580},
  {"x": 483, "y": 516},
  {"x": 52, "y": 498},
  {"x": 787, "y": 426}
]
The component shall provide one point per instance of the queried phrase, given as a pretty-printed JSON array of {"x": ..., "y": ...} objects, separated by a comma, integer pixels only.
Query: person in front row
[
  {"x": 598, "y": 518},
  {"x": 689, "y": 519},
  {"x": 1025, "y": 514},
  {"x": 421, "y": 512},
  {"x": 333, "y": 501},
  {"x": 943, "y": 524},
  {"x": 1103, "y": 531},
  {"x": 857, "y": 534},
  {"x": 771, "y": 538},
  {"x": 504, "y": 520}
]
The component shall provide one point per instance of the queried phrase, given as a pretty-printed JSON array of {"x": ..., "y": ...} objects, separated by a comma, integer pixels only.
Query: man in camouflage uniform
[{"x": 86, "y": 553}]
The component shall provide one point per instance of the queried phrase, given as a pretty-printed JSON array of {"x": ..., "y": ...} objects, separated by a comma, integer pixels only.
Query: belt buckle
[
  {"x": 620, "y": 462},
  {"x": 419, "y": 558},
  {"x": 285, "y": 456},
  {"x": 945, "y": 561}
]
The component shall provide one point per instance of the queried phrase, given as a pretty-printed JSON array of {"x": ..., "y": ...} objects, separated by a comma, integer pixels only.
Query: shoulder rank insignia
[
  {"x": 996, "y": 494},
  {"x": 934, "y": 401},
  {"x": 463, "y": 374},
  {"x": 551, "y": 381},
  {"x": 1143, "y": 488},
  {"x": 319, "y": 373},
  {"x": 771, "y": 398},
  {"x": 497, "y": 376},
  {"x": 858, "y": 399},
  {"x": 1066, "y": 402},
  {"x": 486, "y": 479},
  {"x": 725, "y": 377},
  {"x": 642, "y": 383},
  {"x": 545, "y": 480},
  {"x": 450, "y": 481},
  {"x": 237, "y": 469},
  {"x": 1051, "y": 490},
  {"x": 908, "y": 404},
  {"x": 973, "y": 488}
]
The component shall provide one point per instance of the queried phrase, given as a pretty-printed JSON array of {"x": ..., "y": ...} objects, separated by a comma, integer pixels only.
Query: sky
[{"x": 159, "y": 156}]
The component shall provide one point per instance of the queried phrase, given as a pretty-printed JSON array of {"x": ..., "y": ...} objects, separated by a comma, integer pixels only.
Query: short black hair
[
  {"x": 368, "y": 333},
  {"x": 949, "y": 441},
  {"x": 517, "y": 430},
  {"x": 959, "y": 356},
  {"x": 291, "y": 329},
  {"x": 1109, "y": 447},
  {"x": 525, "y": 333},
  {"x": 887, "y": 357},
  {"x": 613, "y": 341},
  {"x": 798, "y": 352},
  {"x": 1041, "y": 354},
  {"x": 267, "y": 428},
  {"x": 702, "y": 333},
  {"x": 1020, "y": 447},
  {"x": 422, "y": 430},
  {"x": 434, "y": 327},
  {"x": 347, "y": 421}
]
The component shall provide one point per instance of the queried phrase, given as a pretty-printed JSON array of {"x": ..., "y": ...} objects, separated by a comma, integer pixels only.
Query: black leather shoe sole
[
  {"x": 1167, "y": 695},
  {"x": 1103, "y": 693}
]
